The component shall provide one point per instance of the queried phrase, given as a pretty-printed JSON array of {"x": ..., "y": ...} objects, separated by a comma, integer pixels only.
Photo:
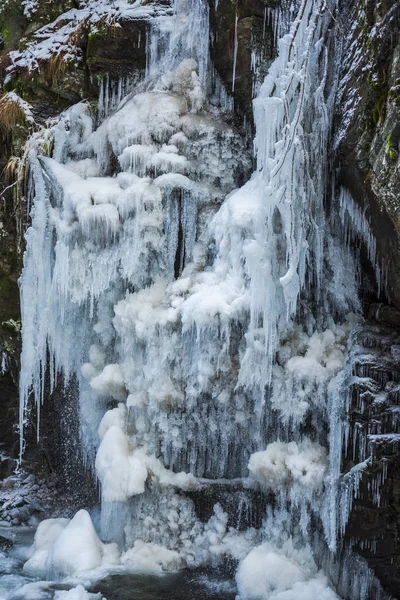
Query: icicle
[{"x": 235, "y": 50}]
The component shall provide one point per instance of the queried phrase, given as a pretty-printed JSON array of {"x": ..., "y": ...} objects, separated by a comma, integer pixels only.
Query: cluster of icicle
[{"x": 172, "y": 296}]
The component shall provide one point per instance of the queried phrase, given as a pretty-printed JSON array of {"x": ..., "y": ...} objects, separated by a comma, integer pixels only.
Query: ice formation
[
  {"x": 270, "y": 573},
  {"x": 76, "y": 593},
  {"x": 202, "y": 323},
  {"x": 65, "y": 547},
  {"x": 303, "y": 464}
]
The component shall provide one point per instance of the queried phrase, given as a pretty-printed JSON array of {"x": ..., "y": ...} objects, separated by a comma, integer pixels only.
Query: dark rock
[
  {"x": 368, "y": 127},
  {"x": 383, "y": 313},
  {"x": 186, "y": 585},
  {"x": 5, "y": 542},
  {"x": 117, "y": 51},
  {"x": 251, "y": 33},
  {"x": 373, "y": 529}
]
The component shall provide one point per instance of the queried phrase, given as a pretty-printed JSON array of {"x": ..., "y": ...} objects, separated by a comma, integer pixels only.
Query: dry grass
[
  {"x": 11, "y": 114},
  {"x": 11, "y": 170},
  {"x": 16, "y": 175},
  {"x": 54, "y": 69}
]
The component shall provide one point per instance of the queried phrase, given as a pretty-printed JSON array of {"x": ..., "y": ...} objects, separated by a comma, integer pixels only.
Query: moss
[
  {"x": 390, "y": 150},
  {"x": 95, "y": 38},
  {"x": 378, "y": 112},
  {"x": 5, "y": 35},
  {"x": 12, "y": 23},
  {"x": 366, "y": 147}
]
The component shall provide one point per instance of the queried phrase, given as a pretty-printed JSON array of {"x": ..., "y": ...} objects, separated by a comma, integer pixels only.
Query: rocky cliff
[{"x": 367, "y": 162}]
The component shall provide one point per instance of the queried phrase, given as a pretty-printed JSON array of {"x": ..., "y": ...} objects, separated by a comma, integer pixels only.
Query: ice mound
[
  {"x": 76, "y": 593},
  {"x": 122, "y": 474},
  {"x": 46, "y": 534},
  {"x": 115, "y": 416},
  {"x": 110, "y": 381},
  {"x": 123, "y": 471},
  {"x": 269, "y": 573},
  {"x": 304, "y": 464},
  {"x": 151, "y": 557},
  {"x": 64, "y": 547}
]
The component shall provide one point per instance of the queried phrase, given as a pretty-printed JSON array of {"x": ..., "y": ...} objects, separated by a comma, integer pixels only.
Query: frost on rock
[{"x": 30, "y": 7}]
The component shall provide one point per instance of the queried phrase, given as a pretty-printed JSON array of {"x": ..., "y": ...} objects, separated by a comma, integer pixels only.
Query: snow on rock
[
  {"x": 30, "y": 7},
  {"x": 24, "y": 498},
  {"x": 304, "y": 464},
  {"x": 59, "y": 37}
]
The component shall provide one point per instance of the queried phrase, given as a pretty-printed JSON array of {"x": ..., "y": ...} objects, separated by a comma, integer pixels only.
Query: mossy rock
[
  {"x": 12, "y": 23},
  {"x": 118, "y": 51}
]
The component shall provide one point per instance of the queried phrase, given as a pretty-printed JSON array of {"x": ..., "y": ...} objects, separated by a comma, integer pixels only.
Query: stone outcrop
[
  {"x": 242, "y": 42},
  {"x": 368, "y": 124},
  {"x": 374, "y": 436},
  {"x": 368, "y": 162}
]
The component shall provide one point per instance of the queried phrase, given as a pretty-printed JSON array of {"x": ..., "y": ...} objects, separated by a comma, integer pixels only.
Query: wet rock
[
  {"x": 186, "y": 585},
  {"x": 374, "y": 524},
  {"x": 368, "y": 125},
  {"x": 383, "y": 313},
  {"x": 117, "y": 51},
  {"x": 236, "y": 44},
  {"x": 5, "y": 542}
]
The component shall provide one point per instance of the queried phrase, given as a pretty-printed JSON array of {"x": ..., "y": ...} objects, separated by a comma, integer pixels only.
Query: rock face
[
  {"x": 243, "y": 41},
  {"x": 368, "y": 125},
  {"x": 374, "y": 440},
  {"x": 368, "y": 162}
]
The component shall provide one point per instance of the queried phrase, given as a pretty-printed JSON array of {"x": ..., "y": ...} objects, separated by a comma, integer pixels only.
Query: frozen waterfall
[{"x": 202, "y": 322}]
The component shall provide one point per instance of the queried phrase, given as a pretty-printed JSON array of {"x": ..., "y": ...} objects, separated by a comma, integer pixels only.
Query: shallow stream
[{"x": 15, "y": 544}]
